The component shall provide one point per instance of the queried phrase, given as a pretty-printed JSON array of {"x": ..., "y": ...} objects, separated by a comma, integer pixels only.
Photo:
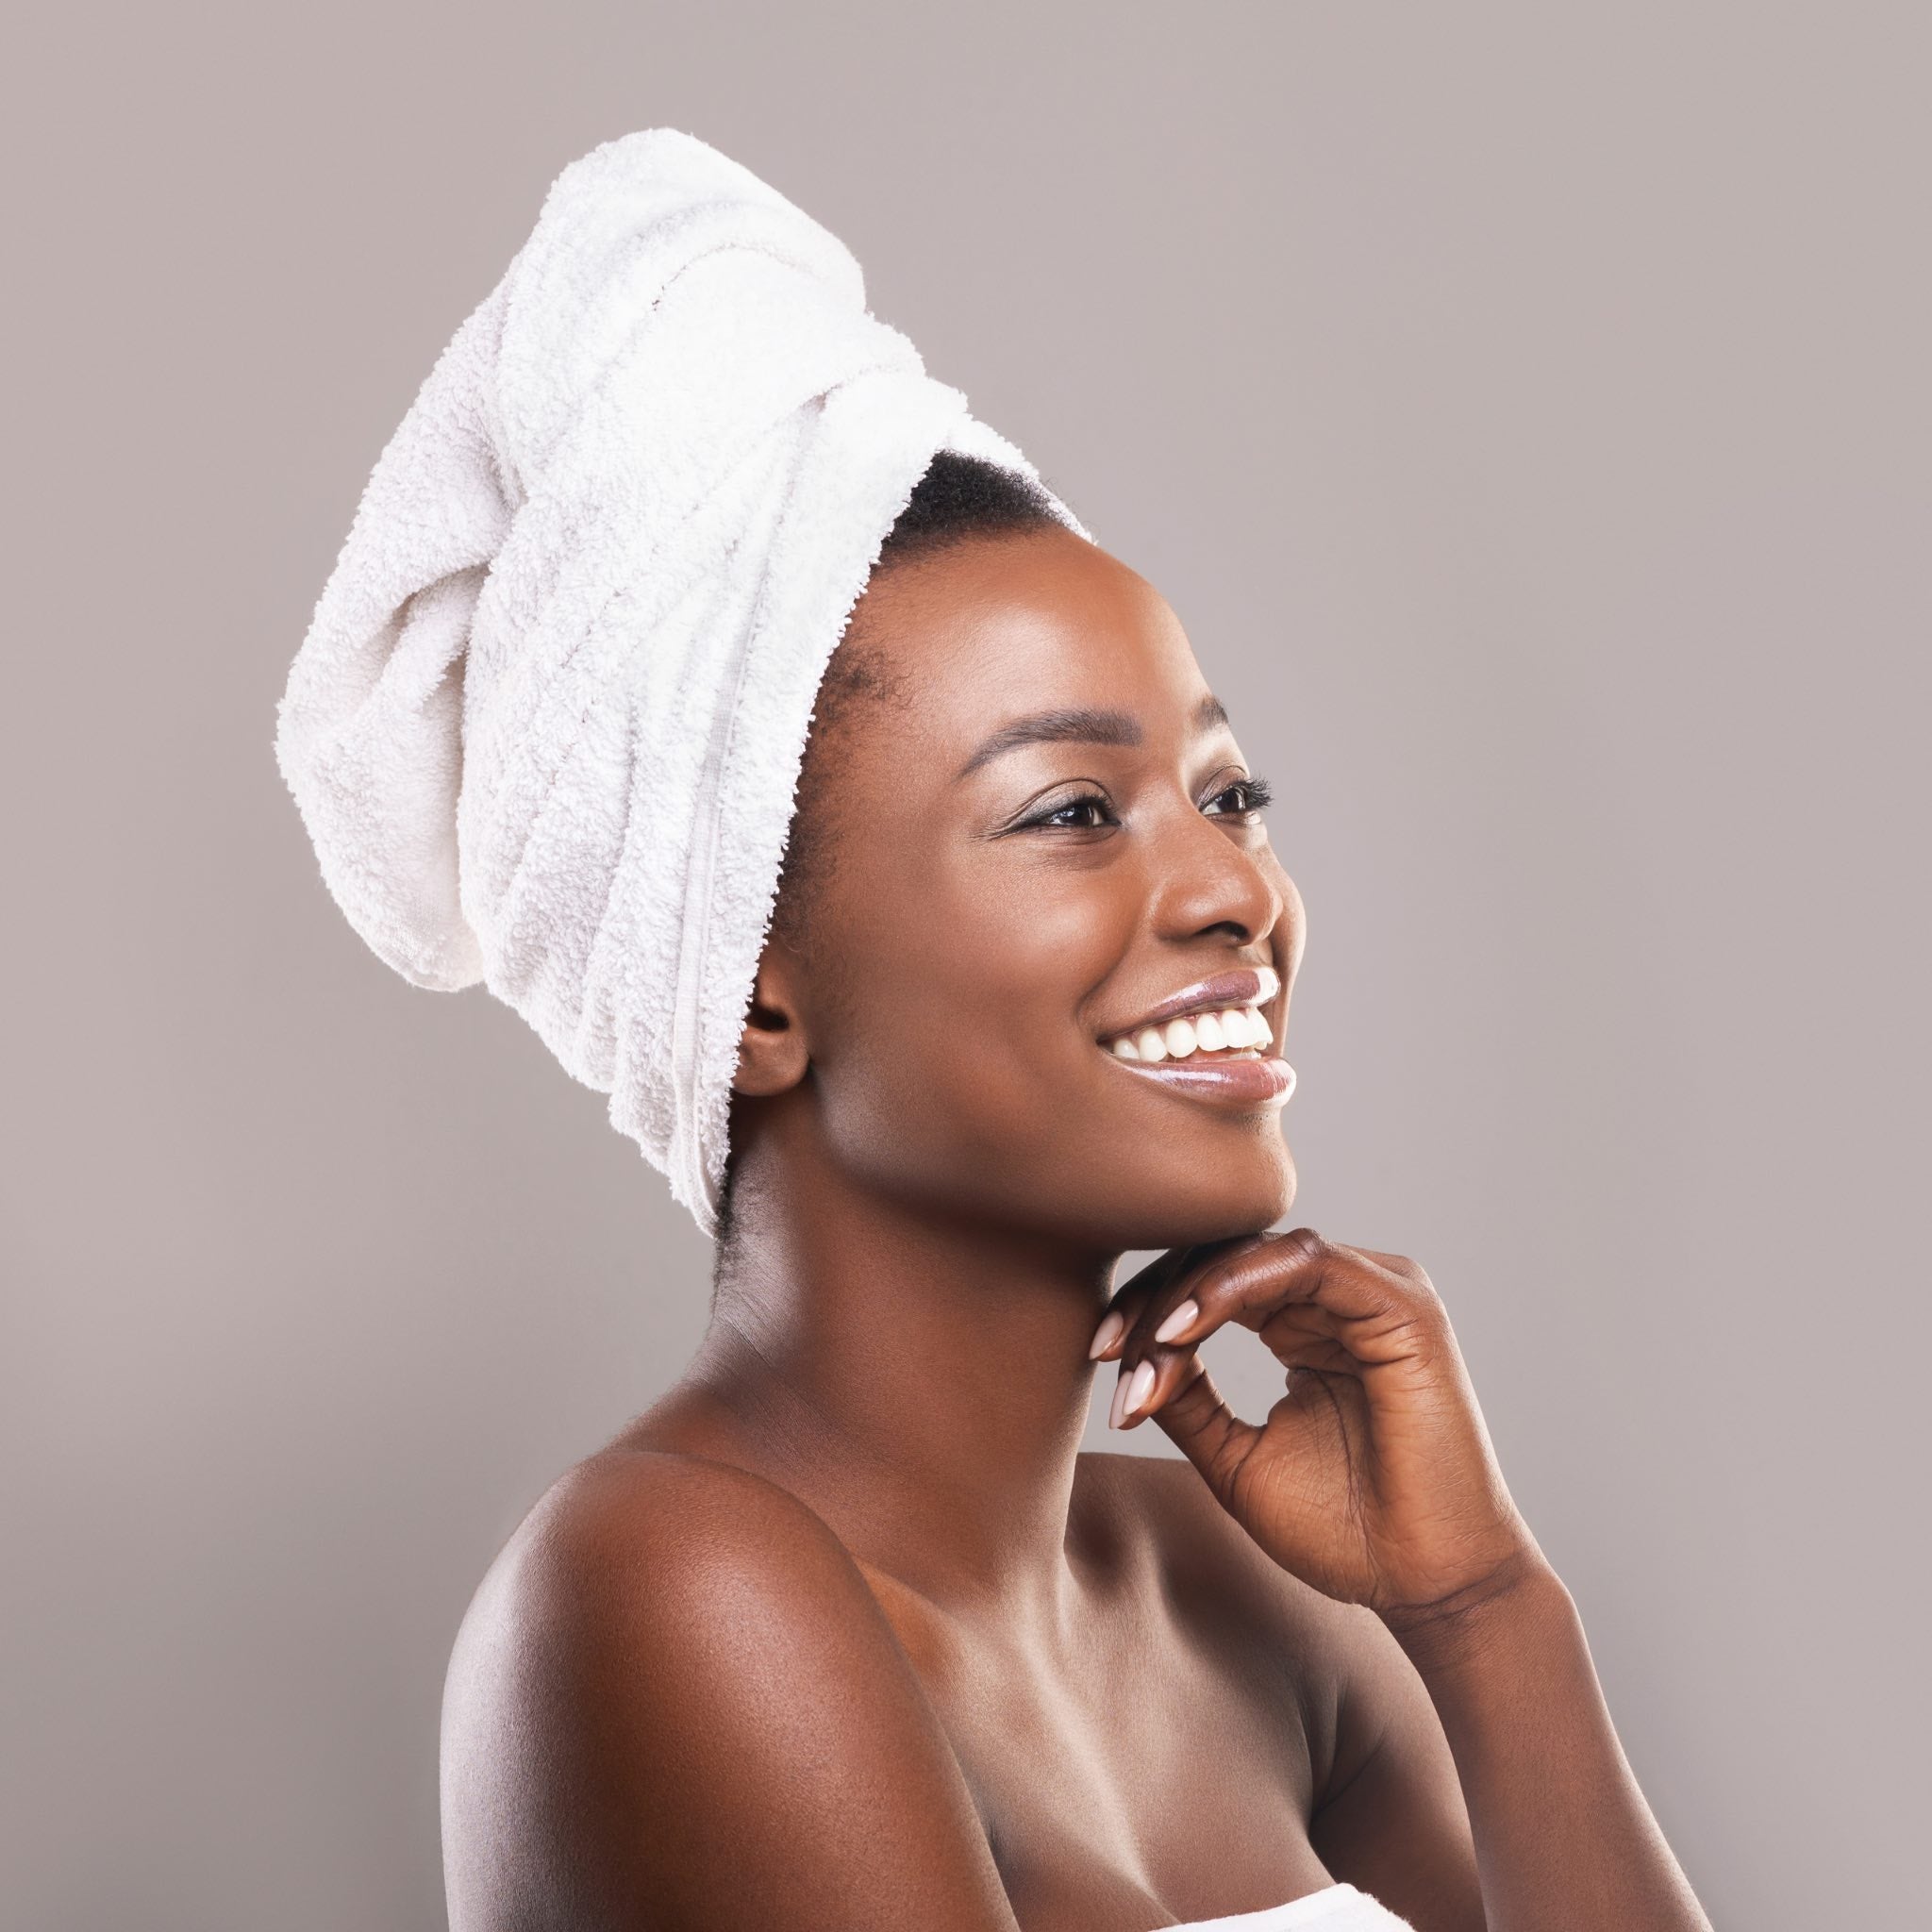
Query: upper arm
[
  {"x": 1392, "y": 1817},
  {"x": 675, "y": 1703}
]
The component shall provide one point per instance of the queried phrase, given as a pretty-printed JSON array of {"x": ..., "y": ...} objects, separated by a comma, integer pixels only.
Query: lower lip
[{"x": 1228, "y": 1083}]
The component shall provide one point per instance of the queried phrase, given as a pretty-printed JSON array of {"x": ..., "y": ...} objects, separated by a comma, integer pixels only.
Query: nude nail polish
[{"x": 1177, "y": 1319}]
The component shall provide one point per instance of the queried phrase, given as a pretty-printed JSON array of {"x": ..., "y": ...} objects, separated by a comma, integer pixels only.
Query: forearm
[{"x": 1564, "y": 1840}]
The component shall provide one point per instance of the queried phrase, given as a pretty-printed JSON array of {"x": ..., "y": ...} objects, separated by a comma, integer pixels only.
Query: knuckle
[
  {"x": 1423, "y": 1290},
  {"x": 1417, "y": 1277}
]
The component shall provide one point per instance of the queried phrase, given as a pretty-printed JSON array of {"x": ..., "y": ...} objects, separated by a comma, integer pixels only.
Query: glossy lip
[
  {"x": 1233, "y": 1082},
  {"x": 1246, "y": 986}
]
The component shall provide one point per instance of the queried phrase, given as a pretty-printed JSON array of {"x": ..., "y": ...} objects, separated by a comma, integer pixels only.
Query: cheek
[{"x": 966, "y": 1040}]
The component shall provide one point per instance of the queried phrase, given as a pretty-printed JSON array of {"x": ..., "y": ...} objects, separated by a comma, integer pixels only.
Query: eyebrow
[{"x": 1080, "y": 725}]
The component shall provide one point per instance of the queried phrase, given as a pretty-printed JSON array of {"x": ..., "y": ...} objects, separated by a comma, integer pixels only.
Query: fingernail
[
  {"x": 1120, "y": 1389},
  {"x": 1139, "y": 1389},
  {"x": 1177, "y": 1321},
  {"x": 1107, "y": 1335}
]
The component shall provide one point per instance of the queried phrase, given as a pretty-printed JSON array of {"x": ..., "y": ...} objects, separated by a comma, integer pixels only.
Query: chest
[{"x": 1159, "y": 1780}]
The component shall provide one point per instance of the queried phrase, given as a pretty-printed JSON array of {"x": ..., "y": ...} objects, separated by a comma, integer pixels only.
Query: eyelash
[{"x": 1260, "y": 794}]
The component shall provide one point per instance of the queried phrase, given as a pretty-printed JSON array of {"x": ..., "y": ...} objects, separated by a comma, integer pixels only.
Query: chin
[{"x": 1170, "y": 1212}]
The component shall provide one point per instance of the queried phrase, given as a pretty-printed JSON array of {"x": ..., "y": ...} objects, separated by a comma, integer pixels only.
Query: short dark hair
[{"x": 959, "y": 498}]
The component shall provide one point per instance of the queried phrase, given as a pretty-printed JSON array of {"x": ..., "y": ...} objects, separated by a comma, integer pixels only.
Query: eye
[
  {"x": 1088, "y": 800},
  {"x": 1255, "y": 794}
]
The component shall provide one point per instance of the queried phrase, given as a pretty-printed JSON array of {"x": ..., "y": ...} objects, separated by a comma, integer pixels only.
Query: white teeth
[{"x": 1227, "y": 1030}]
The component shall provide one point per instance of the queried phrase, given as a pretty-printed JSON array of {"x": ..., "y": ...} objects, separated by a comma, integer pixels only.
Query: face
[{"x": 1001, "y": 905}]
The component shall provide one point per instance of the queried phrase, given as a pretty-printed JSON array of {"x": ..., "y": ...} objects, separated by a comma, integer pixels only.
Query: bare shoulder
[
  {"x": 1216, "y": 1572},
  {"x": 1333, "y": 1660},
  {"x": 673, "y": 1700},
  {"x": 1389, "y": 1810}
]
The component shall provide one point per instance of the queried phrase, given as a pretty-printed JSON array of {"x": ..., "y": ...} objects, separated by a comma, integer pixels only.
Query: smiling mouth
[
  {"x": 1202, "y": 1038},
  {"x": 1240, "y": 1077},
  {"x": 1204, "y": 1030},
  {"x": 1223, "y": 1054}
]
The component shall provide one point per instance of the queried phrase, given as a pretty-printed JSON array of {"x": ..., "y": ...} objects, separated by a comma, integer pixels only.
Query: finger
[
  {"x": 1161, "y": 1297},
  {"x": 1156, "y": 1287},
  {"x": 1164, "y": 1373},
  {"x": 1143, "y": 1340},
  {"x": 1199, "y": 1423},
  {"x": 1398, "y": 1265},
  {"x": 1382, "y": 1316},
  {"x": 1306, "y": 1335}
]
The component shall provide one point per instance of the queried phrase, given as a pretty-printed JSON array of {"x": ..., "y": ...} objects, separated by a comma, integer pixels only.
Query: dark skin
[{"x": 846, "y": 1631}]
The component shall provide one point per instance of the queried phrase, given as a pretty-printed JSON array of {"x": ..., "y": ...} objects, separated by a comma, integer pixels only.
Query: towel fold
[{"x": 545, "y": 727}]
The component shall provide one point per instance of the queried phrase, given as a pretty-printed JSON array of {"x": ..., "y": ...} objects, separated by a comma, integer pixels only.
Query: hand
[{"x": 1374, "y": 1477}]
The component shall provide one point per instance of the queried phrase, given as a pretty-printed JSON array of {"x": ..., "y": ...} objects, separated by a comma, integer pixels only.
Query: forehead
[{"x": 992, "y": 628}]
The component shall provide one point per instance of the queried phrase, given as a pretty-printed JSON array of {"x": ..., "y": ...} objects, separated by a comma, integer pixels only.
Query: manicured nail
[
  {"x": 1107, "y": 1335},
  {"x": 1120, "y": 1395},
  {"x": 1139, "y": 1389},
  {"x": 1177, "y": 1321}
]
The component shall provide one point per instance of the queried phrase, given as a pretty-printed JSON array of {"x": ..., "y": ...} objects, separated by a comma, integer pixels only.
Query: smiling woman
[
  {"x": 846, "y": 1628},
  {"x": 1011, "y": 876},
  {"x": 700, "y": 677}
]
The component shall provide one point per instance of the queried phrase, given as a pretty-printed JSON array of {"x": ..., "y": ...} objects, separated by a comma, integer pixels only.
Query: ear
[{"x": 771, "y": 1051}]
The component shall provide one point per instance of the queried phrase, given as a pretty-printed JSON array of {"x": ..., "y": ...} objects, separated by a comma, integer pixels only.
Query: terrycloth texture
[
  {"x": 1334, "y": 1908},
  {"x": 545, "y": 727}
]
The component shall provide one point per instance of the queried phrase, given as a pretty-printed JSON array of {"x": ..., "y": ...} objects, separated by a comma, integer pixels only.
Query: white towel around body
[{"x": 545, "y": 727}]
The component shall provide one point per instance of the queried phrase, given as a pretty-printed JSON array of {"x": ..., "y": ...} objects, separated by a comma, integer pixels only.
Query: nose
[{"x": 1208, "y": 880}]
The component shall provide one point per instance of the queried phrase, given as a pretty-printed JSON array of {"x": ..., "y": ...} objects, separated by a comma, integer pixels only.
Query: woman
[{"x": 845, "y": 1631}]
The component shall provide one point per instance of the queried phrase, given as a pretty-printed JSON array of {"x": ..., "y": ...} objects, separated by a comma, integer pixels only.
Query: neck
[{"x": 919, "y": 1380}]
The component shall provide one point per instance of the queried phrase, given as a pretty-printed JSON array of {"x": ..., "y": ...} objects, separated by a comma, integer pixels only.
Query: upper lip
[{"x": 1245, "y": 986}]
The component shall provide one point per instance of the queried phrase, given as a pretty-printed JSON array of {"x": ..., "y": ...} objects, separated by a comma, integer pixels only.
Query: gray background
[{"x": 1526, "y": 410}]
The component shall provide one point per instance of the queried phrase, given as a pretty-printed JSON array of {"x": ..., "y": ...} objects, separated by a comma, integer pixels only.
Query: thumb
[{"x": 1208, "y": 1433}]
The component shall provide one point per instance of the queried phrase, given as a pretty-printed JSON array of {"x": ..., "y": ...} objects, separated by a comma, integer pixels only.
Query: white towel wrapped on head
[{"x": 546, "y": 726}]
